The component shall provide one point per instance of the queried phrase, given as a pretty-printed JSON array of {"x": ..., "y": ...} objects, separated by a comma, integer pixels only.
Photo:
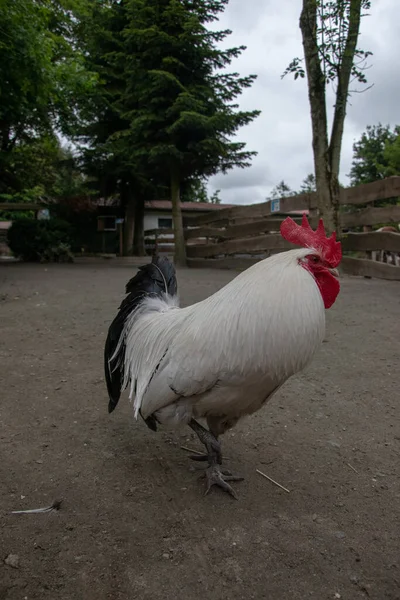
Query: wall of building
[{"x": 151, "y": 219}]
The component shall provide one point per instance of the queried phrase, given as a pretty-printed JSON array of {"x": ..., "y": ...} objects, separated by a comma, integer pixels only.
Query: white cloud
[{"x": 282, "y": 134}]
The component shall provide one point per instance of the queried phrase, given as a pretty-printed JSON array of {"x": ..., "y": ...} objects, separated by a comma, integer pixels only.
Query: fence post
[{"x": 367, "y": 228}]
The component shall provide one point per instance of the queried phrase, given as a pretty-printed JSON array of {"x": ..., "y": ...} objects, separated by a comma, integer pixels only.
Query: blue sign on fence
[{"x": 275, "y": 206}]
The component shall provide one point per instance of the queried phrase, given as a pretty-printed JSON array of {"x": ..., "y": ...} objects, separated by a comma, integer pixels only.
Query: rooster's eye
[{"x": 315, "y": 259}]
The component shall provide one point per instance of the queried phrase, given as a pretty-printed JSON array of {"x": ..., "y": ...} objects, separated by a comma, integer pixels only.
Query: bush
[
  {"x": 60, "y": 253},
  {"x": 34, "y": 240}
]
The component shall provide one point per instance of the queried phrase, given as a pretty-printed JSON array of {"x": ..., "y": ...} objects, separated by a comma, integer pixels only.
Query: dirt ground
[{"x": 134, "y": 523}]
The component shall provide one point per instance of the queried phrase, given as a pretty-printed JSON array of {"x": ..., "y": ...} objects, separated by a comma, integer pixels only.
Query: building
[
  {"x": 158, "y": 216},
  {"x": 158, "y": 213}
]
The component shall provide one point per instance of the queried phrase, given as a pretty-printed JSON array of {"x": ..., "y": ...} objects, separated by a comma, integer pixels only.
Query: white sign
[
  {"x": 43, "y": 214},
  {"x": 275, "y": 206}
]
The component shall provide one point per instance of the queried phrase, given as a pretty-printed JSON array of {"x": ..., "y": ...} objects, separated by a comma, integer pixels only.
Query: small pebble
[
  {"x": 340, "y": 534},
  {"x": 166, "y": 555},
  {"x": 12, "y": 560}
]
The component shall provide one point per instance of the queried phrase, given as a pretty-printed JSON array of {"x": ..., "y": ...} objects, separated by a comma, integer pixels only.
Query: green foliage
[
  {"x": 60, "y": 253},
  {"x": 34, "y": 240},
  {"x": 333, "y": 22},
  {"x": 42, "y": 82},
  {"x": 308, "y": 184},
  {"x": 26, "y": 196},
  {"x": 195, "y": 190},
  {"x": 40, "y": 167},
  {"x": 281, "y": 190},
  {"x": 376, "y": 154},
  {"x": 163, "y": 112},
  {"x": 178, "y": 102},
  {"x": 392, "y": 155}
]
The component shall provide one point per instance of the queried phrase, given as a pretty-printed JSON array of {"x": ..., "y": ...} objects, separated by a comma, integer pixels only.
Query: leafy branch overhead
[{"x": 332, "y": 37}]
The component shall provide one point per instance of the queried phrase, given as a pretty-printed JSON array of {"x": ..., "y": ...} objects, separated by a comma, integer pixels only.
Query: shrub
[
  {"x": 34, "y": 240},
  {"x": 60, "y": 253}
]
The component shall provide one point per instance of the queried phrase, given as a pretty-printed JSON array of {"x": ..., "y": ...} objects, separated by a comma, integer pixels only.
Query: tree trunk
[
  {"x": 180, "y": 248},
  {"x": 327, "y": 155},
  {"x": 342, "y": 93},
  {"x": 317, "y": 99},
  {"x": 138, "y": 238},
  {"x": 128, "y": 201}
]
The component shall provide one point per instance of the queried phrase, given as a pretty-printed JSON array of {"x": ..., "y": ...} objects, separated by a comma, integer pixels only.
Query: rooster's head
[{"x": 324, "y": 256}]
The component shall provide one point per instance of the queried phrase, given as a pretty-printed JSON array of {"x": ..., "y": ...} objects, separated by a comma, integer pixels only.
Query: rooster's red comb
[{"x": 303, "y": 235}]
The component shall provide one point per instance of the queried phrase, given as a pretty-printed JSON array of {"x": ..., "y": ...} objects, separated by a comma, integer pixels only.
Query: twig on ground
[
  {"x": 273, "y": 481},
  {"x": 191, "y": 450},
  {"x": 355, "y": 470}
]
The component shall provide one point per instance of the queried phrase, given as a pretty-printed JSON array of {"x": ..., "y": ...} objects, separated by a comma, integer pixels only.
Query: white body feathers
[{"x": 227, "y": 355}]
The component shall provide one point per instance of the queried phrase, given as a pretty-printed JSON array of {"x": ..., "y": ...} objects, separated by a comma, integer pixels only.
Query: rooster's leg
[
  {"x": 214, "y": 474},
  {"x": 209, "y": 440}
]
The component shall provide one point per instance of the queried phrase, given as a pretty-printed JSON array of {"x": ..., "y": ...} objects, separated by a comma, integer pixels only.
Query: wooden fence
[
  {"x": 239, "y": 236},
  {"x": 163, "y": 241}
]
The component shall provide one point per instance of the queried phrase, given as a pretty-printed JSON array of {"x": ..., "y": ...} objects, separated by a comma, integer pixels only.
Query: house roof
[{"x": 186, "y": 206}]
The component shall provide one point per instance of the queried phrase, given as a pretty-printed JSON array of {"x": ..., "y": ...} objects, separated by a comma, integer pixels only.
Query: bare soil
[{"x": 134, "y": 523}]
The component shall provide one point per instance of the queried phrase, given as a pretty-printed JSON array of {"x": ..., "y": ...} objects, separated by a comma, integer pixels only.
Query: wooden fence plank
[
  {"x": 219, "y": 223},
  {"x": 369, "y": 192},
  {"x": 158, "y": 232},
  {"x": 260, "y": 243},
  {"x": 238, "y": 231},
  {"x": 371, "y": 216},
  {"x": 369, "y": 268},
  {"x": 367, "y": 216},
  {"x": 355, "y": 242},
  {"x": 348, "y": 266},
  {"x": 377, "y": 240},
  {"x": 361, "y": 194},
  {"x": 21, "y": 206},
  {"x": 253, "y": 211},
  {"x": 234, "y": 263},
  {"x": 196, "y": 232}
]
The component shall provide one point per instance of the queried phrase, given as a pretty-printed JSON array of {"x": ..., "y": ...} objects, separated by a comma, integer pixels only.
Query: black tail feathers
[{"x": 153, "y": 279}]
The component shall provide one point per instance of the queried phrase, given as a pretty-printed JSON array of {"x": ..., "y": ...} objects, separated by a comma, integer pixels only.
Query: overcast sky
[{"x": 282, "y": 133}]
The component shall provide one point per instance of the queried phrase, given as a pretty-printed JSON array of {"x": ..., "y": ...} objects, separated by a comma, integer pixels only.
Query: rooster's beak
[{"x": 334, "y": 272}]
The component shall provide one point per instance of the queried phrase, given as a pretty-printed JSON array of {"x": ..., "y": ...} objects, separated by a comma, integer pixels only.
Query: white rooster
[{"x": 222, "y": 358}]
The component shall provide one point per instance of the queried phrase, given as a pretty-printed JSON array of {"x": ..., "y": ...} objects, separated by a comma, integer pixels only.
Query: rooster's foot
[{"x": 216, "y": 476}]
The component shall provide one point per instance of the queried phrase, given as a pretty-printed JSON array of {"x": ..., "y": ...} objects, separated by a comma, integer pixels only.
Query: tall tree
[
  {"x": 281, "y": 190},
  {"x": 195, "y": 190},
  {"x": 373, "y": 157},
  {"x": 308, "y": 184},
  {"x": 330, "y": 30},
  {"x": 179, "y": 101},
  {"x": 41, "y": 74},
  {"x": 392, "y": 155},
  {"x": 108, "y": 156}
]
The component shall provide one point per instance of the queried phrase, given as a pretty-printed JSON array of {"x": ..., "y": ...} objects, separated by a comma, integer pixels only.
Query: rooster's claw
[{"x": 217, "y": 476}]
